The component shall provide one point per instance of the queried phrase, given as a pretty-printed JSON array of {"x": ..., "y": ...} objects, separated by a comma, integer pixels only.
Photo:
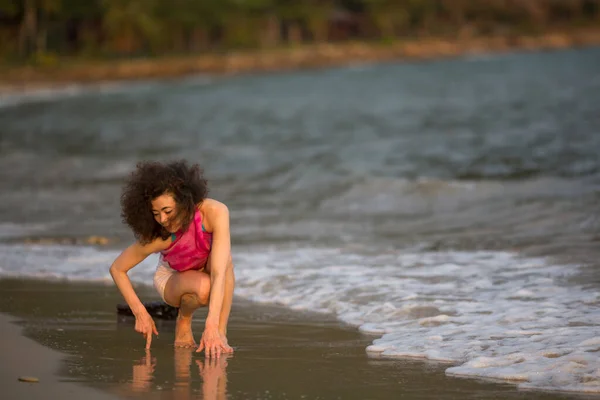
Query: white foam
[
  {"x": 54, "y": 93},
  {"x": 493, "y": 315},
  {"x": 47, "y": 94},
  {"x": 9, "y": 229},
  {"x": 70, "y": 263}
]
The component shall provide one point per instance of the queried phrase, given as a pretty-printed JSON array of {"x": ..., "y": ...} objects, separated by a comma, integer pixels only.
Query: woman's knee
[
  {"x": 190, "y": 286},
  {"x": 203, "y": 290},
  {"x": 198, "y": 286}
]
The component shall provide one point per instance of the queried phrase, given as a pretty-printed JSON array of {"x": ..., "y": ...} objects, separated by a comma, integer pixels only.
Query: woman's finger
[
  {"x": 148, "y": 339},
  {"x": 226, "y": 348},
  {"x": 201, "y": 347}
]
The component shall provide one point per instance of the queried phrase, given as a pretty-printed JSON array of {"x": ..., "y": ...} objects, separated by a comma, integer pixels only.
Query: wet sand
[
  {"x": 23, "y": 357},
  {"x": 279, "y": 354}
]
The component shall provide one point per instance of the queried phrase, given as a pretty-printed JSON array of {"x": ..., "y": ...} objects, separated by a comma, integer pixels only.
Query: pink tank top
[{"x": 190, "y": 249}]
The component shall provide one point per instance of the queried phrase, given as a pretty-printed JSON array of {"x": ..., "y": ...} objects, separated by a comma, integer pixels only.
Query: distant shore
[{"x": 75, "y": 71}]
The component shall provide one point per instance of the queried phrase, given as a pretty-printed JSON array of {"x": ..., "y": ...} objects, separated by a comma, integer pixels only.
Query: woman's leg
[
  {"x": 187, "y": 290},
  {"x": 190, "y": 290}
]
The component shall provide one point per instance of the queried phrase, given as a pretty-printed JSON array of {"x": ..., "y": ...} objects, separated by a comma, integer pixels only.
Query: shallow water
[{"x": 448, "y": 208}]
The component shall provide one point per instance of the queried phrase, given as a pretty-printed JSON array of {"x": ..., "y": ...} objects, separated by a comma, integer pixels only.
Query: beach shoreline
[
  {"x": 80, "y": 349},
  {"x": 63, "y": 73}
]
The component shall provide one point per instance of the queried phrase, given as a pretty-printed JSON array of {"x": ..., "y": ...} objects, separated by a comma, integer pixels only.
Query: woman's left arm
[{"x": 219, "y": 257}]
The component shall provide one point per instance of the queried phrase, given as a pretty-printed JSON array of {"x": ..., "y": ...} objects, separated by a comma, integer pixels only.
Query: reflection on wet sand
[
  {"x": 213, "y": 373},
  {"x": 214, "y": 377},
  {"x": 143, "y": 373}
]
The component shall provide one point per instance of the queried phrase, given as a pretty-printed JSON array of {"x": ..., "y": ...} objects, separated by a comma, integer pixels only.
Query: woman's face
[{"x": 164, "y": 209}]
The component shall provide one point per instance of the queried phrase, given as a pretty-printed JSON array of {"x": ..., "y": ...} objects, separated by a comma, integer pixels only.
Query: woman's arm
[
  {"x": 217, "y": 215},
  {"x": 219, "y": 257},
  {"x": 129, "y": 258}
]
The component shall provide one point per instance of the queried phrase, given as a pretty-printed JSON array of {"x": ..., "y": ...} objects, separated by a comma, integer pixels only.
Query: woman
[{"x": 166, "y": 207}]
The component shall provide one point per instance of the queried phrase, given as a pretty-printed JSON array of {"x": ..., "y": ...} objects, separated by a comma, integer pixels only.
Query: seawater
[{"x": 449, "y": 209}]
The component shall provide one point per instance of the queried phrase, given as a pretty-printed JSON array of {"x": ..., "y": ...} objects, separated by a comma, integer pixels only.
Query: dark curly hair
[{"x": 152, "y": 179}]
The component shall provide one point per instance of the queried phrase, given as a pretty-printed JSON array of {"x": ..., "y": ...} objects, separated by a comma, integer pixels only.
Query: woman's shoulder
[
  {"x": 211, "y": 211},
  {"x": 211, "y": 206}
]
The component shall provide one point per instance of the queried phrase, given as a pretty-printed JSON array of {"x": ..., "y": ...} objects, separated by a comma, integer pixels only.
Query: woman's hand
[
  {"x": 144, "y": 324},
  {"x": 213, "y": 343}
]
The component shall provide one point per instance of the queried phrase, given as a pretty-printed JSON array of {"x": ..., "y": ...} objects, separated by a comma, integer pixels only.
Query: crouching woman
[{"x": 166, "y": 207}]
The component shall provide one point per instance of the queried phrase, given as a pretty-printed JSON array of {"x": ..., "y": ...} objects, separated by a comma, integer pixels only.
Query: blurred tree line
[{"x": 155, "y": 27}]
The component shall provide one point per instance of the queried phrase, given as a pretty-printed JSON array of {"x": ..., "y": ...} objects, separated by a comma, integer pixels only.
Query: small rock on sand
[{"x": 28, "y": 379}]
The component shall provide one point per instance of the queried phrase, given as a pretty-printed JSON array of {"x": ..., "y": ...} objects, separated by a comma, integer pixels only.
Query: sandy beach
[{"x": 89, "y": 353}]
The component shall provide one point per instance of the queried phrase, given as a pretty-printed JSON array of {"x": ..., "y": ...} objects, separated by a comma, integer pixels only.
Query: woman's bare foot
[{"x": 183, "y": 333}]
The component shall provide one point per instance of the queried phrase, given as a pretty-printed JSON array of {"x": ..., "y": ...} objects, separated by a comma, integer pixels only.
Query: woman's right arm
[{"x": 129, "y": 258}]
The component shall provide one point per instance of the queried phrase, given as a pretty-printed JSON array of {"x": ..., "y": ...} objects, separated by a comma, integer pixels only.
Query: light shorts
[{"x": 161, "y": 276}]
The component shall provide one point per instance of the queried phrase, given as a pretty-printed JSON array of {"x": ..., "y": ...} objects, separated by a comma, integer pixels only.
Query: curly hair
[{"x": 152, "y": 179}]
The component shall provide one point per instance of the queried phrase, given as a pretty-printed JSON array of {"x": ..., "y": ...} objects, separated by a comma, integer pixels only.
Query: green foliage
[
  {"x": 36, "y": 28},
  {"x": 44, "y": 59},
  {"x": 9, "y": 7},
  {"x": 131, "y": 24}
]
